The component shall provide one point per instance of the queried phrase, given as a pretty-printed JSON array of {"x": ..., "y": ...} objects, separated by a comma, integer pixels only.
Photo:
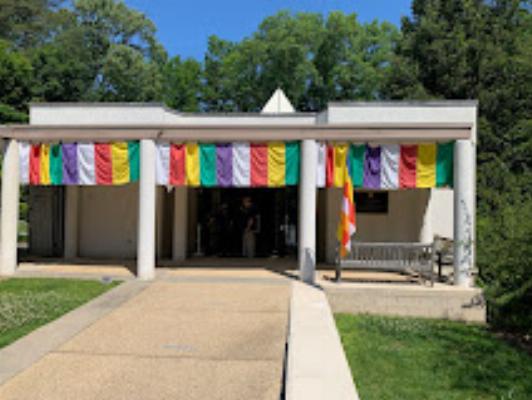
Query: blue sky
[{"x": 184, "y": 25}]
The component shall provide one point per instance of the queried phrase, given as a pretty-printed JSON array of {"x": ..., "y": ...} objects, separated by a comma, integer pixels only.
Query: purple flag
[
  {"x": 224, "y": 165},
  {"x": 372, "y": 168},
  {"x": 70, "y": 163}
]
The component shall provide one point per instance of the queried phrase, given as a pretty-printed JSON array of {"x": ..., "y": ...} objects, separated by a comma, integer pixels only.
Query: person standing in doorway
[{"x": 249, "y": 227}]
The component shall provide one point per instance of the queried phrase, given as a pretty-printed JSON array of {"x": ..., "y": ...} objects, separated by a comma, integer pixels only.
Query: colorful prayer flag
[
  {"x": 347, "y": 225},
  {"x": 79, "y": 163}
]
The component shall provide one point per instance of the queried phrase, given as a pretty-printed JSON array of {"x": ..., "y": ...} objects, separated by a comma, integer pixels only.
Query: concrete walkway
[
  {"x": 184, "y": 336},
  {"x": 317, "y": 367}
]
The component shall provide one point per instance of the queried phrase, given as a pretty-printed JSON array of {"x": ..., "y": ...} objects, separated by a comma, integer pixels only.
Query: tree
[
  {"x": 506, "y": 263},
  {"x": 290, "y": 46},
  {"x": 100, "y": 50},
  {"x": 216, "y": 95},
  {"x": 126, "y": 76},
  {"x": 65, "y": 69},
  {"x": 312, "y": 59},
  {"x": 15, "y": 83},
  {"x": 472, "y": 49},
  {"x": 353, "y": 59},
  {"x": 478, "y": 49},
  {"x": 27, "y": 23},
  {"x": 126, "y": 56},
  {"x": 182, "y": 84}
]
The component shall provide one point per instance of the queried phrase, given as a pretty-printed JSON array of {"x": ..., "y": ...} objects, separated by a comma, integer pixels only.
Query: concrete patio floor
[{"x": 188, "y": 335}]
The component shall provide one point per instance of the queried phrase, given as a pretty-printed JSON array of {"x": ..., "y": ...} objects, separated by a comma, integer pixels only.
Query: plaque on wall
[{"x": 371, "y": 202}]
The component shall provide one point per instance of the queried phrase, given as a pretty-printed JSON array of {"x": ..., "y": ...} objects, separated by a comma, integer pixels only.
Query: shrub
[{"x": 505, "y": 263}]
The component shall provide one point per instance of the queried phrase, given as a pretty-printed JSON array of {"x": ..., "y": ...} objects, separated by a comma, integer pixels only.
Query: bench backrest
[{"x": 393, "y": 256}]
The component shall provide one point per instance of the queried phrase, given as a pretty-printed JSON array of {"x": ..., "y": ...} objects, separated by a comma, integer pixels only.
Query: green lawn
[
  {"x": 403, "y": 358},
  {"x": 26, "y": 304}
]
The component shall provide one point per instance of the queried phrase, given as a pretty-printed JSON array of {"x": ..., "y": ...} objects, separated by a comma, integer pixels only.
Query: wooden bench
[{"x": 415, "y": 258}]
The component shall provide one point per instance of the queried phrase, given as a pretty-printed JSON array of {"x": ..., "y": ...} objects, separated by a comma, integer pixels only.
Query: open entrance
[{"x": 225, "y": 218}]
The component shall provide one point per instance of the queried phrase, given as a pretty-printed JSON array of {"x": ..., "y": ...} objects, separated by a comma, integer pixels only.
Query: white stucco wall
[
  {"x": 402, "y": 222},
  {"x": 441, "y": 212},
  {"x": 108, "y": 221},
  {"x": 149, "y": 114},
  {"x": 404, "y": 113}
]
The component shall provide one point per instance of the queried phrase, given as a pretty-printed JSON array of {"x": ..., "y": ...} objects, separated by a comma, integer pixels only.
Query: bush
[
  {"x": 505, "y": 263},
  {"x": 23, "y": 211}
]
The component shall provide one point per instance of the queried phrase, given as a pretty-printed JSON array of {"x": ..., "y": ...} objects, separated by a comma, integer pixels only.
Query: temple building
[{"x": 136, "y": 181}]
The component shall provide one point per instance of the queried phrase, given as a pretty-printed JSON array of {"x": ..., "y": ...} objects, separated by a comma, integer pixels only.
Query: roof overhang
[{"x": 382, "y": 132}]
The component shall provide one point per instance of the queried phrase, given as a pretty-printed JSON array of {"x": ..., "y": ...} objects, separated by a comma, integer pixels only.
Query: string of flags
[
  {"x": 386, "y": 167},
  {"x": 79, "y": 163},
  {"x": 269, "y": 164},
  {"x": 242, "y": 164}
]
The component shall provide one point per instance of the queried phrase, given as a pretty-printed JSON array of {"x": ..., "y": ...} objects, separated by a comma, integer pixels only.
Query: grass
[
  {"x": 26, "y": 304},
  {"x": 406, "y": 358}
]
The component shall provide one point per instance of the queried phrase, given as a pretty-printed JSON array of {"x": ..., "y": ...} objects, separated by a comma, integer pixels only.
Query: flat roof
[
  {"x": 406, "y": 103},
  {"x": 73, "y": 123},
  {"x": 348, "y": 132},
  {"x": 162, "y": 106}
]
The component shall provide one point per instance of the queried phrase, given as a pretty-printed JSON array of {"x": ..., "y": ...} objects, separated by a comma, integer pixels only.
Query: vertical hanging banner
[
  {"x": 322, "y": 161},
  {"x": 45, "y": 164},
  {"x": 259, "y": 164},
  {"x": 86, "y": 164},
  {"x": 224, "y": 165},
  {"x": 390, "y": 166},
  {"x": 425, "y": 166},
  {"x": 276, "y": 164},
  {"x": 79, "y": 163},
  {"x": 407, "y": 167},
  {"x": 340, "y": 161},
  {"x": 70, "y": 163},
  {"x": 356, "y": 164},
  {"x": 177, "y": 164},
  {"x": 24, "y": 151},
  {"x": 241, "y": 161},
  {"x": 292, "y": 163},
  {"x": 192, "y": 164},
  {"x": 133, "y": 156},
  {"x": 444, "y": 165},
  {"x": 119, "y": 163},
  {"x": 208, "y": 165},
  {"x": 372, "y": 167}
]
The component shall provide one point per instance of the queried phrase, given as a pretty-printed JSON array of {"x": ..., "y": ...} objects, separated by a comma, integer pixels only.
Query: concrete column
[
  {"x": 10, "y": 209},
  {"x": 71, "y": 221},
  {"x": 307, "y": 211},
  {"x": 464, "y": 211},
  {"x": 159, "y": 205},
  {"x": 146, "y": 223},
  {"x": 426, "y": 235},
  {"x": 180, "y": 227}
]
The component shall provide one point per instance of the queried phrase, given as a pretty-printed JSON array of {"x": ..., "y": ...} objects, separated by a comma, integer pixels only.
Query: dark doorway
[{"x": 221, "y": 221}]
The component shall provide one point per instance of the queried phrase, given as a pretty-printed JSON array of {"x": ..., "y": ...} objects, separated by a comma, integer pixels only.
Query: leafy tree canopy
[
  {"x": 182, "y": 84},
  {"x": 473, "y": 49},
  {"x": 313, "y": 59},
  {"x": 97, "y": 50}
]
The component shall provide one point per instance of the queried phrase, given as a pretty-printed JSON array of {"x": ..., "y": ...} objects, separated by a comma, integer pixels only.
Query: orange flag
[{"x": 347, "y": 226}]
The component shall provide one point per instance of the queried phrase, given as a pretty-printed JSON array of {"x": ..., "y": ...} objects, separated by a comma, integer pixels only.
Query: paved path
[{"x": 185, "y": 336}]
